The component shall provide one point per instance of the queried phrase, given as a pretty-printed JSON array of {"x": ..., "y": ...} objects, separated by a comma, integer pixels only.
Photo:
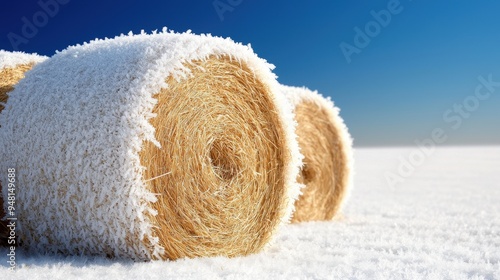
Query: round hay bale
[
  {"x": 156, "y": 146},
  {"x": 327, "y": 148},
  {"x": 13, "y": 65}
]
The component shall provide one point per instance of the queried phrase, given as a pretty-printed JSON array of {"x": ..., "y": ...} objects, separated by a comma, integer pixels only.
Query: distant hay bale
[
  {"x": 9, "y": 78},
  {"x": 154, "y": 146},
  {"x": 326, "y": 145},
  {"x": 13, "y": 65}
]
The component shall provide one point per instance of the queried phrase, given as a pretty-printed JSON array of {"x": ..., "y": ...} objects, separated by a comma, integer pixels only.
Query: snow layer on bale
[{"x": 12, "y": 59}]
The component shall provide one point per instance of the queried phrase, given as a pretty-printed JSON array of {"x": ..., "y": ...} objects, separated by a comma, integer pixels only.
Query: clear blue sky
[{"x": 395, "y": 89}]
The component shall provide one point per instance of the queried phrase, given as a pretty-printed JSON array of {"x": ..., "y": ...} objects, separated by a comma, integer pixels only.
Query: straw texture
[
  {"x": 13, "y": 66},
  {"x": 327, "y": 148},
  {"x": 152, "y": 146}
]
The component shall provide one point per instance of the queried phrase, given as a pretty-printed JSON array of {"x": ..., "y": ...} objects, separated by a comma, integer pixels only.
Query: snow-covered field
[{"x": 441, "y": 222}]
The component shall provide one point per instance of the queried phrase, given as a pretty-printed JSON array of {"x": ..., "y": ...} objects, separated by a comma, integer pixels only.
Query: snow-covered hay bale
[
  {"x": 13, "y": 66},
  {"x": 152, "y": 147},
  {"x": 327, "y": 148}
]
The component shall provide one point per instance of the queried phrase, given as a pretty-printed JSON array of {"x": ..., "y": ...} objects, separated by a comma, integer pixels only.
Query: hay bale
[
  {"x": 327, "y": 148},
  {"x": 13, "y": 65},
  {"x": 154, "y": 146}
]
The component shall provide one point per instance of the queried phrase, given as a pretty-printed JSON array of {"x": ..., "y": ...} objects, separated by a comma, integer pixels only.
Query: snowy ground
[{"x": 442, "y": 222}]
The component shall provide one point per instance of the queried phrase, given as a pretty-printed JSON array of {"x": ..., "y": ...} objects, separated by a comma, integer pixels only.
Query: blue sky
[{"x": 418, "y": 72}]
